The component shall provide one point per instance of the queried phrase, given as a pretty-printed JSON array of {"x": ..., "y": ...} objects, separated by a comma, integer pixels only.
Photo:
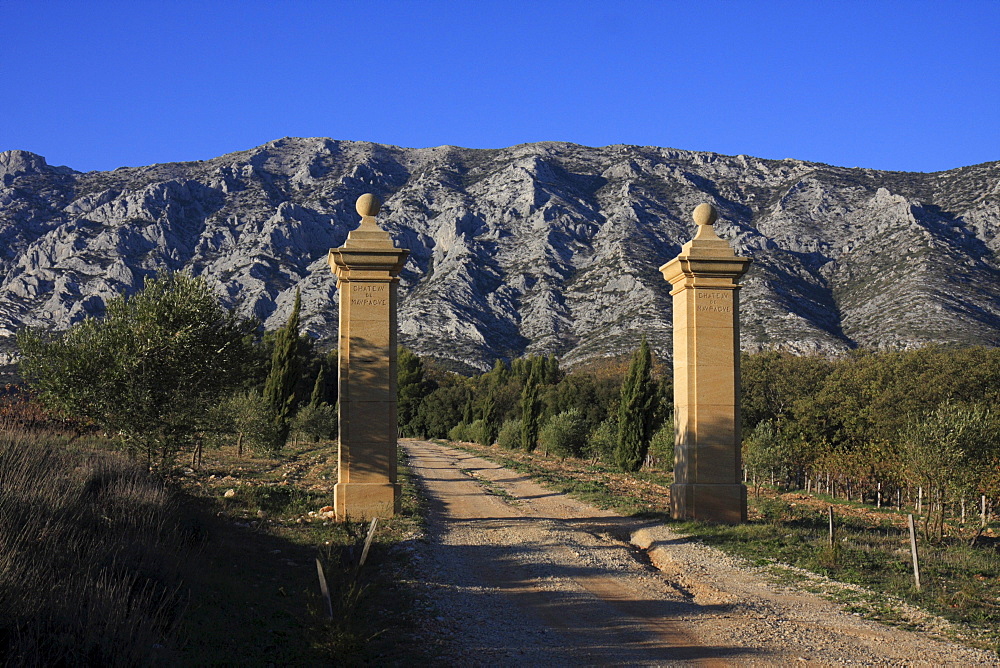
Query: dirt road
[{"x": 526, "y": 576}]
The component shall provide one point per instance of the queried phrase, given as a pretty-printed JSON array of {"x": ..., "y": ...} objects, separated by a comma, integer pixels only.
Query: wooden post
[
  {"x": 878, "y": 493},
  {"x": 920, "y": 500},
  {"x": 982, "y": 511},
  {"x": 913, "y": 552},
  {"x": 324, "y": 589},
  {"x": 368, "y": 542},
  {"x": 830, "y": 513}
]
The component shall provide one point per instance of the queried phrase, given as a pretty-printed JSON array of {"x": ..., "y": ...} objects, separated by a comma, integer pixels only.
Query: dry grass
[
  {"x": 102, "y": 563},
  {"x": 91, "y": 554}
]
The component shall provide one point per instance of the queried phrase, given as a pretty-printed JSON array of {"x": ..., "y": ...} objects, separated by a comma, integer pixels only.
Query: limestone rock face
[{"x": 535, "y": 248}]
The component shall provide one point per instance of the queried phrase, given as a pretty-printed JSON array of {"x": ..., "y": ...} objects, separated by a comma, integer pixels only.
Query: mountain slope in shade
[{"x": 537, "y": 248}]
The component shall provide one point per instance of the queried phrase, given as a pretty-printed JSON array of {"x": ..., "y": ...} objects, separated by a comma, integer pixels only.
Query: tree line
[
  {"x": 890, "y": 427},
  {"x": 918, "y": 426},
  {"x": 620, "y": 419},
  {"x": 170, "y": 368}
]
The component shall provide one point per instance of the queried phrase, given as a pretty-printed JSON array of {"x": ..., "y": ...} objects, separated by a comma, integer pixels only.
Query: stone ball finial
[
  {"x": 705, "y": 214},
  {"x": 368, "y": 205}
]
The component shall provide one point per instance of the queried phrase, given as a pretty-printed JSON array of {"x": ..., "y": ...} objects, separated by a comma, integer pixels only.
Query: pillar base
[
  {"x": 723, "y": 503},
  {"x": 364, "y": 501}
]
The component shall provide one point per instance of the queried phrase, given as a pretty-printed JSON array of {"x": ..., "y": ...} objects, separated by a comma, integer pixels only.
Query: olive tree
[
  {"x": 950, "y": 449},
  {"x": 150, "y": 370}
]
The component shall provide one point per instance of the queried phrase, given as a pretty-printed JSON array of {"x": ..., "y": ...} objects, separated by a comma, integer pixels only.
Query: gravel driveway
[{"x": 522, "y": 575}]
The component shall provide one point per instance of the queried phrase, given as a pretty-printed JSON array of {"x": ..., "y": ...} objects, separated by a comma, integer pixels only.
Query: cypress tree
[
  {"x": 500, "y": 373},
  {"x": 552, "y": 372},
  {"x": 491, "y": 419},
  {"x": 518, "y": 368},
  {"x": 411, "y": 388},
  {"x": 537, "y": 373},
  {"x": 530, "y": 415},
  {"x": 469, "y": 410},
  {"x": 319, "y": 391},
  {"x": 279, "y": 388},
  {"x": 636, "y": 411}
]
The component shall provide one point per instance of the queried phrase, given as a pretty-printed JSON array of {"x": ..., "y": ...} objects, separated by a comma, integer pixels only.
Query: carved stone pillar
[
  {"x": 367, "y": 268},
  {"x": 707, "y": 462}
]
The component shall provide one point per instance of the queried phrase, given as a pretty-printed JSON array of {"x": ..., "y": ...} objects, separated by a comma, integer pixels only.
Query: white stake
[{"x": 913, "y": 552}]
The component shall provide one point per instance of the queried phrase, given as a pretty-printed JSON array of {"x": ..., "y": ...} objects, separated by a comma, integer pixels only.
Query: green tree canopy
[
  {"x": 411, "y": 388},
  {"x": 151, "y": 369},
  {"x": 441, "y": 410}
]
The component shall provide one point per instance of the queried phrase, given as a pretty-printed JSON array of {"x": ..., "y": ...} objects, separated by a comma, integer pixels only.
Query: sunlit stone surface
[{"x": 707, "y": 466}]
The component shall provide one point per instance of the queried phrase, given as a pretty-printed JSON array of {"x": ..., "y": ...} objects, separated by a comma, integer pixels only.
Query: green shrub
[
  {"x": 248, "y": 417},
  {"x": 564, "y": 434},
  {"x": 460, "y": 432},
  {"x": 479, "y": 432},
  {"x": 661, "y": 447},
  {"x": 769, "y": 451},
  {"x": 318, "y": 422},
  {"x": 150, "y": 370},
  {"x": 602, "y": 442},
  {"x": 440, "y": 410},
  {"x": 510, "y": 435}
]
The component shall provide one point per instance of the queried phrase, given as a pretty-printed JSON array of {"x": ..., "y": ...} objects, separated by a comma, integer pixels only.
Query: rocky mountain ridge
[{"x": 537, "y": 248}]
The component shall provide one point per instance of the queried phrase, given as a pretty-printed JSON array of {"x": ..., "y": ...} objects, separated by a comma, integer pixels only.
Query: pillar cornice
[
  {"x": 368, "y": 253},
  {"x": 685, "y": 271},
  {"x": 367, "y": 264}
]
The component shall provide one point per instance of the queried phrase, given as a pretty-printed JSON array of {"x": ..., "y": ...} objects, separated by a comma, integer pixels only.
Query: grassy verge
[
  {"x": 788, "y": 534},
  {"x": 102, "y": 563},
  {"x": 93, "y": 553}
]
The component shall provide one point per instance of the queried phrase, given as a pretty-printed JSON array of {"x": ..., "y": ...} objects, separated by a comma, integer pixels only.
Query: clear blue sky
[{"x": 883, "y": 84}]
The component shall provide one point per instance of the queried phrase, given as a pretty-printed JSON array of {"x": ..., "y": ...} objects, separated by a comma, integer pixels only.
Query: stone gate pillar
[
  {"x": 367, "y": 268},
  {"x": 707, "y": 462}
]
